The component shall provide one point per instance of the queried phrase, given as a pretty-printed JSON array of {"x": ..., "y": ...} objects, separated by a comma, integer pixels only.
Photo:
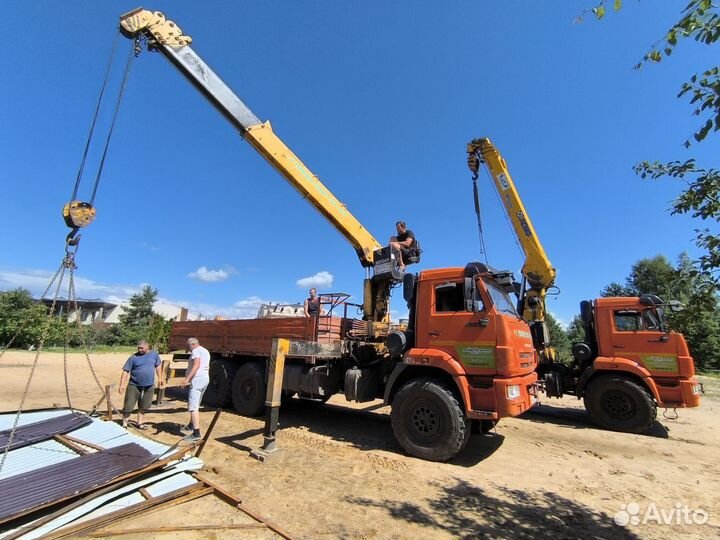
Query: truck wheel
[
  {"x": 248, "y": 389},
  {"x": 620, "y": 404},
  {"x": 219, "y": 391},
  {"x": 428, "y": 421}
]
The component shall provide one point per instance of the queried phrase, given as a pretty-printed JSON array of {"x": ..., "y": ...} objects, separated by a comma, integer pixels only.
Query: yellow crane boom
[
  {"x": 160, "y": 34},
  {"x": 166, "y": 37},
  {"x": 538, "y": 272}
]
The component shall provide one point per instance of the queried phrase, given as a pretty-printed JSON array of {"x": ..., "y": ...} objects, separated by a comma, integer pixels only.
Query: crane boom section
[
  {"x": 165, "y": 36},
  {"x": 537, "y": 268}
]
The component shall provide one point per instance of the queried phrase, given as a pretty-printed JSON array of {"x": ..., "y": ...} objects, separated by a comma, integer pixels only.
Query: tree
[
  {"x": 575, "y": 331},
  {"x": 558, "y": 338},
  {"x": 23, "y": 321},
  {"x": 700, "y": 20},
  {"x": 136, "y": 319},
  {"x": 615, "y": 289}
]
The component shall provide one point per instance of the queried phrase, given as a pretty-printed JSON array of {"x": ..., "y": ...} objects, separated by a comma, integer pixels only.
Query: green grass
[{"x": 711, "y": 374}]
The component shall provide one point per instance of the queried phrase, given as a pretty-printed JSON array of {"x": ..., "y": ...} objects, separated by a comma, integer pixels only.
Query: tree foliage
[
  {"x": 558, "y": 338},
  {"x": 23, "y": 321},
  {"x": 700, "y": 21}
]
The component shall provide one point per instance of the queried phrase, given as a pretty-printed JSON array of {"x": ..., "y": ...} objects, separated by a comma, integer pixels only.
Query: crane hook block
[{"x": 78, "y": 214}]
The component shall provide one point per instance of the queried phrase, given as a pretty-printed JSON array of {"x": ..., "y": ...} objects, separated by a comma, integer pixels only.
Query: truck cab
[
  {"x": 629, "y": 364},
  {"x": 466, "y": 336}
]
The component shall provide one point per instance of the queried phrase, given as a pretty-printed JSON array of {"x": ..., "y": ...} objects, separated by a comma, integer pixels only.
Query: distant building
[
  {"x": 91, "y": 311},
  {"x": 99, "y": 311},
  {"x": 275, "y": 311}
]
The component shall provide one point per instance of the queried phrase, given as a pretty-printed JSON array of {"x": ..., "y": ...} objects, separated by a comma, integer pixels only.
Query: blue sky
[{"x": 379, "y": 99}]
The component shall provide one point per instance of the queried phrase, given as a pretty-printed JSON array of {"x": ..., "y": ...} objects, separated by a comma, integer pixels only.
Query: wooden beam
[
  {"x": 110, "y": 533},
  {"x": 208, "y": 432},
  {"x": 145, "y": 493},
  {"x": 84, "y": 443},
  {"x": 68, "y": 443},
  {"x": 220, "y": 491},
  {"x": 167, "y": 500},
  {"x": 270, "y": 524}
]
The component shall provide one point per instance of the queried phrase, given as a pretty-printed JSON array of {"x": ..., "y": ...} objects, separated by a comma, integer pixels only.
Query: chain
[
  {"x": 73, "y": 299},
  {"x": 46, "y": 330}
]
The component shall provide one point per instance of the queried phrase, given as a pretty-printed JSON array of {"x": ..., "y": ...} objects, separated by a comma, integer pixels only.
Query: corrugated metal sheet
[
  {"x": 42, "y": 430},
  {"x": 7, "y": 419},
  {"x": 55, "y": 482},
  {"x": 98, "y": 432},
  {"x": 34, "y": 457},
  {"x": 175, "y": 479}
]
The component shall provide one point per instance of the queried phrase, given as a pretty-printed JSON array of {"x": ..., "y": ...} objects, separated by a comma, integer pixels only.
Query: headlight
[
  {"x": 696, "y": 389},
  {"x": 512, "y": 391}
]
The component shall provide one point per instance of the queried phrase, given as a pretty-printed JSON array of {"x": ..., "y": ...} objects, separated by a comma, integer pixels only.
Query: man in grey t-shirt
[{"x": 198, "y": 377}]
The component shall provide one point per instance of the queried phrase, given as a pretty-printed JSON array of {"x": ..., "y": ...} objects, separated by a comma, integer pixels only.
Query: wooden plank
[
  {"x": 270, "y": 524},
  {"x": 167, "y": 500},
  {"x": 145, "y": 493},
  {"x": 208, "y": 432},
  {"x": 181, "y": 528},
  {"x": 62, "y": 439},
  {"x": 220, "y": 491},
  {"x": 84, "y": 443}
]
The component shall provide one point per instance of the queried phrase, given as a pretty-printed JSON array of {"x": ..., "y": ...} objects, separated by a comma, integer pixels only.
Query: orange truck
[
  {"x": 466, "y": 354},
  {"x": 629, "y": 363}
]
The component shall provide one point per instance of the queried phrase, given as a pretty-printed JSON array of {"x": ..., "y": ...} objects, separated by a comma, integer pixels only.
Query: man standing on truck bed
[
  {"x": 312, "y": 306},
  {"x": 198, "y": 377},
  {"x": 402, "y": 244}
]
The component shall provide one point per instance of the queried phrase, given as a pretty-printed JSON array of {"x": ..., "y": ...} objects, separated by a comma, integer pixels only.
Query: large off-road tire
[
  {"x": 248, "y": 389},
  {"x": 618, "y": 403},
  {"x": 219, "y": 391},
  {"x": 428, "y": 421}
]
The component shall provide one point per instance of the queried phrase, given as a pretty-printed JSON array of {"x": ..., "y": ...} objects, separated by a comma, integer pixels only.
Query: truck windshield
[{"x": 500, "y": 298}]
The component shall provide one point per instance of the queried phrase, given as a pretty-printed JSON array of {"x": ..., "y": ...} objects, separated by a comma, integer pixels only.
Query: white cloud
[
  {"x": 321, "y": 279},
  {"x": 209, "y": 276},
  {"x": 37, "y": 280}
]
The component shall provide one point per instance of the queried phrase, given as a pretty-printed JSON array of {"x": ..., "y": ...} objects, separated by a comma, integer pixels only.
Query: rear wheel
[
  {"x": 219, "y": 391},
  {"x": 620, "y": 404},
  {"x": 248, "y": 389},
  {"x": 428, "y": 421}
]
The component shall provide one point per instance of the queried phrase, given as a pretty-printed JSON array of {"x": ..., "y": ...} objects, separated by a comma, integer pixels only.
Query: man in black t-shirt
[{"x": 403, "y": 243}]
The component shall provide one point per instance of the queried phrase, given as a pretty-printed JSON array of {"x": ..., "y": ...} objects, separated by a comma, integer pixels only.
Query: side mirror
[
  {"x": 675, "y": 306},
  {"x": 470, "y": 303}
]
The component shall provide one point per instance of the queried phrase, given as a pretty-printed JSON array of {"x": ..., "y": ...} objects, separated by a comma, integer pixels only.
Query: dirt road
[{"x": 339, "y": 474}]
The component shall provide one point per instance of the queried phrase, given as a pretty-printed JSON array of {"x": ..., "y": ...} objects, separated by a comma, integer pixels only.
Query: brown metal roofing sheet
[
  {"x": 43, "y": 430},
  {"x": 53, "y": 483}
]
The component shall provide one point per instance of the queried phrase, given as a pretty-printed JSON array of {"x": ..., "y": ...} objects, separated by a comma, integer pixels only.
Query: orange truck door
[
  {"x": 467, "y": 336},
  {"x": 636, "y": 335}
]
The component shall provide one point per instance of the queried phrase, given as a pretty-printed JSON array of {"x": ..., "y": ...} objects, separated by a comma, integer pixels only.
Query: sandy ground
[{"x": 340, "y": 474}]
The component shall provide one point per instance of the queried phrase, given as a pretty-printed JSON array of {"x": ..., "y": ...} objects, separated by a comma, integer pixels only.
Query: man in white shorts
[{"x": 198, "y": 377}]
